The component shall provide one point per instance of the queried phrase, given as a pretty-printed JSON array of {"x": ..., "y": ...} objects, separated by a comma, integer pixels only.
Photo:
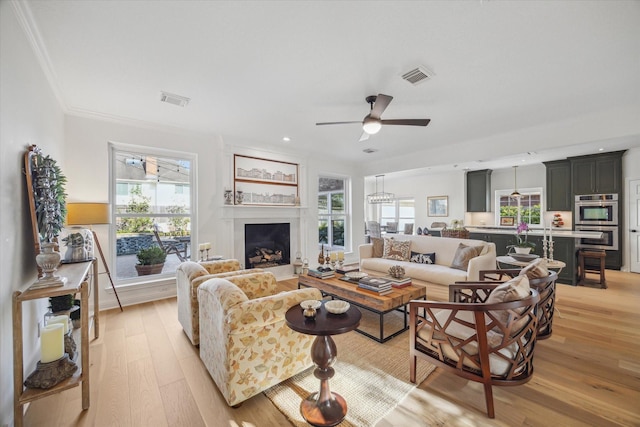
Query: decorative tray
[{"x": 355, "y": 275}]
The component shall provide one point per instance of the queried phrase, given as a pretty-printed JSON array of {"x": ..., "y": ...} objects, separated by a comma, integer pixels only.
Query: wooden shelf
[{"x": 78, "y": 276}]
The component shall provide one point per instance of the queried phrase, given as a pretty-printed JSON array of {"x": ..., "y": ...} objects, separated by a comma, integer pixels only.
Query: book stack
[
  {"x": 321, "y": 274},
  {"x": 399, "y": 283},
  {"x": 378, "y": 285},
  {"x": 347, "y": 268}
]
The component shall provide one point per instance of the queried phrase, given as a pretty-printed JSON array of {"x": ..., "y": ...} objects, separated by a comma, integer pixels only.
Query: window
[
  {"x": 333, "y": 218},
  {"x": 527, "y": 208},
  {"x": 401, "y": 211},
  {"x": 152, "y": 205}
]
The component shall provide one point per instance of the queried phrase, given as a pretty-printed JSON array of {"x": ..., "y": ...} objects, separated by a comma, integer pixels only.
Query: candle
[
  {"x": 544, "y": 232},
  {"x": 341, "y": 256},
  {"x": 62, "y": 319},
  {"x": 207, "y": 245},
  {"x": 550, "y": 234},
  {"x": 333, "y": 256},
  {"x": 51, "y": 343},
  {"x": 201, "y": 247}
]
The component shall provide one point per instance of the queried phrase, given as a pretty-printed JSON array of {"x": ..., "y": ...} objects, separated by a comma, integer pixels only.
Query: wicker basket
[{"x": 459, "y": 233}]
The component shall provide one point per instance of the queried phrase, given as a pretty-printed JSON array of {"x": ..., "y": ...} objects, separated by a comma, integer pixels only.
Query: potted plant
[
  {"x": 150, "y": 260},
  {"x": 61, "y": 303},
  {"x": 523, "y": 246}
]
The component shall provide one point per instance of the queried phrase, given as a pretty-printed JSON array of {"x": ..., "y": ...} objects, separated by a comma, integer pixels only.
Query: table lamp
[{"x": 92, "y": 214}]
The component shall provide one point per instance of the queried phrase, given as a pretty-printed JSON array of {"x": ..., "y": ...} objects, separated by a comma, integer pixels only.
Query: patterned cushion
[
  {"x": 428, "y": 258},
  {"x": 397, "y": 250},
  {"x": 536, "y": 270},
  {"x": 513, "y": 290},
  {"x": 378, "y": 247},
  {"x": 463, "y": 255}
]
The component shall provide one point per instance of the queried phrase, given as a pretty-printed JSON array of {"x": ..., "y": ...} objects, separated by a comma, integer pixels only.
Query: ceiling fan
[{"x": 372, "y": 122}]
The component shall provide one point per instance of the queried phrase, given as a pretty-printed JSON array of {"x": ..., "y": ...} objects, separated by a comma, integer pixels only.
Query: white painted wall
[{"x": 29, "y": 114}]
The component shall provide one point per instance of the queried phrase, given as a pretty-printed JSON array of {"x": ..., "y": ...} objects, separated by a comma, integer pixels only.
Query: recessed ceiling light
[{"x": 286, "y": 139}]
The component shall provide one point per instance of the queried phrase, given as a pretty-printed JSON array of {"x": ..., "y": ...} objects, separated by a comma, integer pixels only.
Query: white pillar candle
[
  {"x": 62, "y": 319},
  {"x": 544, "y": 232},
  {"x": 333, "y": 256},
  {"x": 340, "y": 256},
  {"x": 51, "y": 343},
  {"x": 201, "y": 247},
  {"x": 550, "y": 233},
  {"x": 207, "y": 245}
]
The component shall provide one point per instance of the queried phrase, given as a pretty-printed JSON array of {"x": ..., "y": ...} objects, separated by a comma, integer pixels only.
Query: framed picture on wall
[
  {"x": 507, "y": 220},
  {"x": 437, "y": 206},
  {"x": 265, "y": 182}
]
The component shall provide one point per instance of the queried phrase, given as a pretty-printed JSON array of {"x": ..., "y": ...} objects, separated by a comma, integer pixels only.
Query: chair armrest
[
  {"x": 256, "y": 285},
  {"x": 221, "y": 265},
  {"x": 471, "y": 292},
  {"x": 509, "y": 272},
  {"x": 222, "y": 293},
  {"x": 259, "y": 312},
  {"x": 192, "y": 270}
]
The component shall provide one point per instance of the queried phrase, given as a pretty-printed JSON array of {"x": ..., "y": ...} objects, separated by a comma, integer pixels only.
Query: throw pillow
[
  {"x": 463, "y": 255},
  {"x": 536, "y": 270},
  {"x": 428, "y": 258},
  {"x": 397, "y": 250},
  {"x": 512, "y": 290},
  {"x": 378, "y": 247}
]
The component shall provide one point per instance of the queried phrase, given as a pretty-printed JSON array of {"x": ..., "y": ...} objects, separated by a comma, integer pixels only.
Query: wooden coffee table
[{"x": 380, "y": 305}]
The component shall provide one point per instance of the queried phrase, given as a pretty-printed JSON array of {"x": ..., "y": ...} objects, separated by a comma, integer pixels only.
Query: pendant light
[
  {"x": 380, "y": 197},
  {"x": 515, "y": 194}
]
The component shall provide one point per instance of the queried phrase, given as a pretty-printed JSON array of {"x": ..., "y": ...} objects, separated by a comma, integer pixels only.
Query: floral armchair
[
  {"x": 189, "y": 276},
  {"x": 245, "y": 343},
  {"x": 487, "y": 333}
]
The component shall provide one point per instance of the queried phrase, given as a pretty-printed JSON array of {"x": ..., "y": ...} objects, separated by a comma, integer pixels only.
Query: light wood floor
[{"x": 144, "y": 372}]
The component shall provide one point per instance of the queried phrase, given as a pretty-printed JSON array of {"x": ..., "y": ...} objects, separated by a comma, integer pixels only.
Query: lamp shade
[{"x": 88, "y": 213}]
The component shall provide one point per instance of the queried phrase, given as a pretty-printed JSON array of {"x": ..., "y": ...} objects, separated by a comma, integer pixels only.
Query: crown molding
[{"x": 31, "y": 31}]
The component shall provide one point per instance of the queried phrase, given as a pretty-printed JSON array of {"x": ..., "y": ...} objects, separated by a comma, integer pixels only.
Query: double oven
[{"x": 597, "y": 212}]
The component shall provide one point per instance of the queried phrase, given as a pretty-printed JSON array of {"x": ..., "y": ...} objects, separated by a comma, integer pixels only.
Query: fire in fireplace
[{"x": 267, "y": 245}]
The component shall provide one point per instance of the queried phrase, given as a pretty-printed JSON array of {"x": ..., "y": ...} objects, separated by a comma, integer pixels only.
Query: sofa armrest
[
  {"x": 267, "y": 310},
  {"x": 485, "y": 261},
  {"x": 365, "y": 250}
]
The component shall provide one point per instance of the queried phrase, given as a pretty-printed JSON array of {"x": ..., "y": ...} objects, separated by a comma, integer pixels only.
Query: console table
[{"x": 78, "y": 276}]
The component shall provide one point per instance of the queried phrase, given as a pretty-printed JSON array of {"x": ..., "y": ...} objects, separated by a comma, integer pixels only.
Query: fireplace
[{"x": 267, "y": 245}]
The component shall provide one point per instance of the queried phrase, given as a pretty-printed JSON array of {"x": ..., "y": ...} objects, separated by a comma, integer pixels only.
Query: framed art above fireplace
[{"x": 265, "y": 182}]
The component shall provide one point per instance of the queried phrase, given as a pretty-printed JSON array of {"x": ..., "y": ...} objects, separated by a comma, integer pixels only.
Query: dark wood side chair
[
  {"x": 545, "y": 286},
  {"x": 169, "y": 246},
  {"x": 492, "y": 344}
]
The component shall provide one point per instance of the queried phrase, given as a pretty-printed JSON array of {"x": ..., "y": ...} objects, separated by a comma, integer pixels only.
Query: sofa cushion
[
  {"x": 428, "y": 258},
  {"x": 463, "y": 255},
  {"x": 536, "y": 270},
  {"x": 397, "y": 250},
  {"x": 378, "y": 247}
]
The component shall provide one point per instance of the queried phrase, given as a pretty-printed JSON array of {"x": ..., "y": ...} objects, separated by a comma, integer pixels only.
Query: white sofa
[{"x": 439, "y": 273}]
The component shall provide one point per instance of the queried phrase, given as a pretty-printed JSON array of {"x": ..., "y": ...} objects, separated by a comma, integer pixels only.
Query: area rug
[{"x": 372, "y": 377}]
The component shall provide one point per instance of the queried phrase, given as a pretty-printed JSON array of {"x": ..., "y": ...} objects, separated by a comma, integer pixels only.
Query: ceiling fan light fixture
[{"x": 371, "y": 125}]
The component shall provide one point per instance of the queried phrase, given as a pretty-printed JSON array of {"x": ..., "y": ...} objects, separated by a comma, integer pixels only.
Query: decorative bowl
[
  {"x": 311, "y": 303},
  {"x": 356, "y": 275},
  {"x": 524, "y": 257},
  {"x": 336, "y": 306}
]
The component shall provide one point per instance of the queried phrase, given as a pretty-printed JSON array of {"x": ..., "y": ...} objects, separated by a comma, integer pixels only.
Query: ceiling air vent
[
  {"x": 369, "y": 150},
  {"x": 180, "y": 101},
  {"x": 418, "y": 75}
]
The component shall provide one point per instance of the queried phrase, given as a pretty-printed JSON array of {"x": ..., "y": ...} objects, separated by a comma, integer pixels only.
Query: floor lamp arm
[{"x": 106, "y": 267}]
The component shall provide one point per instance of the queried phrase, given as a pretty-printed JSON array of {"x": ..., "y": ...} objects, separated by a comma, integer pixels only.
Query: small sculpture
[{"x": 396, "y": 272}]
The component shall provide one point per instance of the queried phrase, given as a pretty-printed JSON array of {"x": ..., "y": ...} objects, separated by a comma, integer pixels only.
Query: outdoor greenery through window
[
  {"x": 332, "y": 212},
  {"x": 152, "y": 207},
  {"x": 527, "y": 208}
]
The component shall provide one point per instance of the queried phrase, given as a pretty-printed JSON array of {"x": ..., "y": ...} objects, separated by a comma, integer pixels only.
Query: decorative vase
[
  {"x": 48, "y": 261},
  {"x": 228, "y": 197},
  {"x": 239, "y": 197},
  {"x": 520, "y": 250},
  {"x": 79, "y": 242}
]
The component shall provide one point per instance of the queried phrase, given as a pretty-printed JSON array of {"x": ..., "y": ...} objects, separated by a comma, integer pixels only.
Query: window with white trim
[
  {"x": 152, "y": 205},
  {"x": 333, "y": 212},
  {"x": 527, "y": 208},
  {"x": 401, "y": 210}
]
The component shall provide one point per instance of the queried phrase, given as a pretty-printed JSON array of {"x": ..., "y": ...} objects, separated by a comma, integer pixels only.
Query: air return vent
[
  {"x": 369, "y": 150},
  {"x": 180, "y": 101},
  {"x": 418, "y": 75}
]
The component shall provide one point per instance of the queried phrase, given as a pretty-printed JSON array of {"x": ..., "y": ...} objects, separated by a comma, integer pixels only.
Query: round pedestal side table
[{"x": 323, "y": 408}]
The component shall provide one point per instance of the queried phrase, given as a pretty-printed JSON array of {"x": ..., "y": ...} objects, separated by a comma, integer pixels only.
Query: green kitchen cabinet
[
  {"x": 558, "y": 185},
  {"x": 597, "y": 173},
  {"x": 479, "y": 190}
]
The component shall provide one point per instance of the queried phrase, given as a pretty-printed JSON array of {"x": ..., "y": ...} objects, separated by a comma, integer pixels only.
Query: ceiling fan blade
[
  {"x": 337, "y": 123},
  {"x": 407, "y": 122},
  {"x": 363, "y": 137},
  {"x": 381, "y": 104}
]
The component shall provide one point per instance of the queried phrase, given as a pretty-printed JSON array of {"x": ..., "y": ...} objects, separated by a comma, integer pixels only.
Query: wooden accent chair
[
  {"x": 546, "y": 287},
  {"x": 474, "y": 338}
]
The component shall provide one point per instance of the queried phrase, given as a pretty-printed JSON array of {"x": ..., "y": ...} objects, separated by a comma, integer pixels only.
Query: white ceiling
[{"x": 555, "y": 78}]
